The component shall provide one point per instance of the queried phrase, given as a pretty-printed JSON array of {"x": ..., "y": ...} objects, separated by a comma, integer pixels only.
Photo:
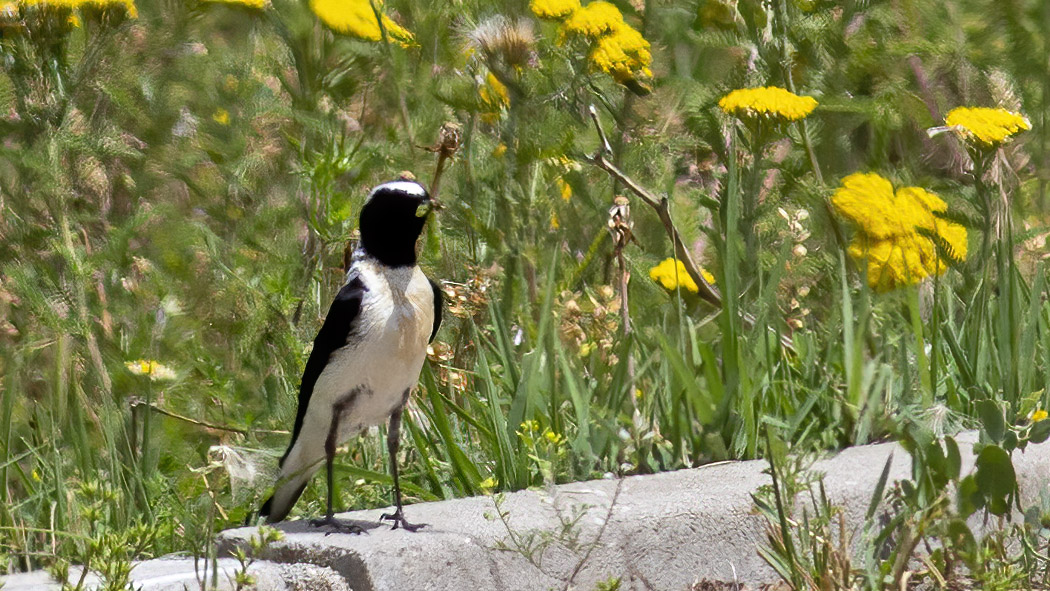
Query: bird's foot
[
  {"x": 398, "y": 517},
  {"x": 337, "y": 525}
]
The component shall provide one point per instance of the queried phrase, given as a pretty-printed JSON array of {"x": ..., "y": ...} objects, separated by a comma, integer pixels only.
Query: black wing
[
  {"x": 439, "y": 299},
  {"x": 333, "y": 334}
]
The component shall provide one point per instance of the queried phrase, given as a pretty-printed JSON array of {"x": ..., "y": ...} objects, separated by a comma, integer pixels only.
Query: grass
[{"x": 181, "y": 187}]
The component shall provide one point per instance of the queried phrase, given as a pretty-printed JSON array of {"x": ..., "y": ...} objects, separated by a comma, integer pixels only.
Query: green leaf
[
  {"x": 969, "y": 498},
  {"x": 962, "y": 539},
  {"x": 880, "y": 488},
  {"x": 995, "y": 473},
  {"x": 1040, "y": 432},
  {"x": 954, "y": 458},
  {"x": 992, "y": 419}
]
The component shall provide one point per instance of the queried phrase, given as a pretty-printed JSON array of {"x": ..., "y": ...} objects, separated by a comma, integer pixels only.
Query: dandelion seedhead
[
  {"x": 504, "y": 42},
  {"x": 768, "y": 101}
]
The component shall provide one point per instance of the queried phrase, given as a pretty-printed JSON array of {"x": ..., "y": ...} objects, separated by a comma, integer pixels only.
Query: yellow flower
[
  {"x": 623, "y": 54},
  {"x": 897, "y": 230},
  {"x": 494, "y": 98},
  {"x": 494, "y": 94},
  {"x": 487, "y": 485},
  {"x": 555, "y": 223},
  {"x": 356, "y": 18},
  {"x": 564, "y": 189},
  {"x": 596, "y": 19},
  {"x": 499, "y": 150},
  {"x": 988, "y": 127},
  {"x": 529, "y": 426},
  {"x": 767, "y": 101},
  {"x": 154, "y": 369},
  {"x": 1039, "y": 415},
  {"x": 125, "y": 6},
  {"x": 671, "y": 274},
  {"x": 554, "y": 438},
  {"x": 893, "y": 263},
  {"x": 128, "y": 6},
  {"x": 554, "y": 9},
  {"x": 254, "y": 4},
  {"x": 221, "y": 116}
]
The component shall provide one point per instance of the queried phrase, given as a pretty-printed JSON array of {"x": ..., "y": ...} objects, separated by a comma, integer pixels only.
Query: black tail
[{"x": 275, "y": 511}]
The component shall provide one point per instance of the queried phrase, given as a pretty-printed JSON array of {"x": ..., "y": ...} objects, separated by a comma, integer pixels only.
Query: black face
[{"x": 392, "y": 220}]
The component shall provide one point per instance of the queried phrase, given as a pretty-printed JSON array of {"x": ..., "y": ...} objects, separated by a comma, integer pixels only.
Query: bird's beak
[{"x": 424, "y": 209}]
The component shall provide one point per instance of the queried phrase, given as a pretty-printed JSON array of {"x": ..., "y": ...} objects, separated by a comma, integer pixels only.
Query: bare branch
[
  {"x": 660, "y": 206},
  {"x": 707, "y": 291}
]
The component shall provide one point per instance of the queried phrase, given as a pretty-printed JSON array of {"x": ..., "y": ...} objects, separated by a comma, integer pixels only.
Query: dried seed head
[
  {"x": 501, "y": 39},
  {"x": 448, "y": 138}
]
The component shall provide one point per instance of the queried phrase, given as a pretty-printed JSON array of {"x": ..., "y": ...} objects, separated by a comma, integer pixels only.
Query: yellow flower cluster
[
  {"x": 895, "y": 230},
  {"x": 616, "y": 48},
  {"x": 221, "y": 116},
  {"x": 767, "y": 101},
  {"x": 154, "y": 369},
  {"x": 671, "y": 274},
  {"x": 487, "y": 485},
  {"x": 128, "y": 6},
  {"x": 253, "y": 4},
  {"x": 989, "y": 127},
  {"x": 356, "y": 18},
  {"x": 494, "y": 98},
  {"x": 595, "y": 20},
  {"x": 1039, "y": 415},
  {"x": 554, "y": 9},
  {"x": 622, "y": 54}
]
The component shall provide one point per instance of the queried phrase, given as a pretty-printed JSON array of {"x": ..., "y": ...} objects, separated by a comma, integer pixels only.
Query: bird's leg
[
  {"x": 393, "y": 441},
  {"x": 330, "y": 444}
]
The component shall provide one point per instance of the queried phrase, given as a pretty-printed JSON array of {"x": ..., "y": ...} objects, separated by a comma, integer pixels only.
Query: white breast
[{"x": 385, "y": 351}]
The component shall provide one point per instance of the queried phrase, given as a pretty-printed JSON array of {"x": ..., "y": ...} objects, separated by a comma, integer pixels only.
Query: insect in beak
[{"x": 424, "y": 209}]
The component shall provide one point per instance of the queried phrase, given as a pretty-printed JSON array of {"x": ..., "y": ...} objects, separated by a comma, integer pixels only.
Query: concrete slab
[
  {"x": 181, "y": 574},
  {"x": 662, "y": 531}
]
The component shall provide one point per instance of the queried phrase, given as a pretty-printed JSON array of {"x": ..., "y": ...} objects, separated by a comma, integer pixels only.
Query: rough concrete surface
[
  {"x": 178, "y": 574},
  {"x": 662, "y": 531}
]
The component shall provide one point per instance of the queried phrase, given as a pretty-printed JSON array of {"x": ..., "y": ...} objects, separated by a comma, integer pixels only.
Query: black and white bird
[{"x": 369, "y": 351}]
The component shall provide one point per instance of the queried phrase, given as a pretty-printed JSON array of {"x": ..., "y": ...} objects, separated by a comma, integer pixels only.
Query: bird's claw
[
  {"x": 399, "y": 521},
  {"x": 343, "y": 527}
]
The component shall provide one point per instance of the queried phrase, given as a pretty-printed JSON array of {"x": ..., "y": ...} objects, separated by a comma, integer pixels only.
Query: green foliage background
[{"x": 181, "y": 187}]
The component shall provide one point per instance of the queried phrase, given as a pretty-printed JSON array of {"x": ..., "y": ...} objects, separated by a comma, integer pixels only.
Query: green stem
[
  {"x": 749, "y": 202},
  {"x": 985, "y": 201}
]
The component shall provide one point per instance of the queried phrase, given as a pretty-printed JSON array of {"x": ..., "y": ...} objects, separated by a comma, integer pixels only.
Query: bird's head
[{"x": 392, "y": 220}]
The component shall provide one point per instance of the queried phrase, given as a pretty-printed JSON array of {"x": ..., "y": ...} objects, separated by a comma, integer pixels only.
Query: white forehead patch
[{"x": 410, "y": 187}]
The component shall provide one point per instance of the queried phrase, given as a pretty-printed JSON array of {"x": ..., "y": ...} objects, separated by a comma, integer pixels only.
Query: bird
[{"x": 369, "y": 352}]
